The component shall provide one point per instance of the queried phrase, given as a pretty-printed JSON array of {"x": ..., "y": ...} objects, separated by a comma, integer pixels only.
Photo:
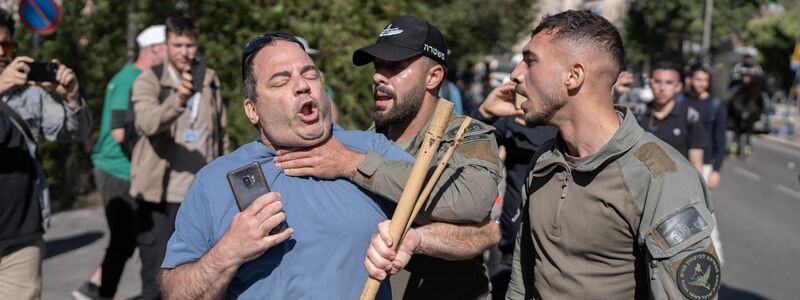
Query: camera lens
[{"x": 248, "y": 180}]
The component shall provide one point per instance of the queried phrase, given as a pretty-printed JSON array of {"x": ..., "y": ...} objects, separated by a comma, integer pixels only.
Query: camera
[
  {"x": 248, "y": 180},
  {"x": 42, "y": 72}
]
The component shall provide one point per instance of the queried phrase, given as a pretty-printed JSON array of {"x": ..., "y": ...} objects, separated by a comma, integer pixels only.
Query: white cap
[
  {"x": 152, "y": 35},
  {"x": 309, "y": 50}
]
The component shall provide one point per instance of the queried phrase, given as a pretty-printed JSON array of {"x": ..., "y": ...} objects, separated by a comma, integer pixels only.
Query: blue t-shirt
[{"x": 333, "y": 221}]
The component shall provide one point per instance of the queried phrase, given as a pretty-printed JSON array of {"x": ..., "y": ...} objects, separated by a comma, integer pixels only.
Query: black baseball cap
[{"x": 404, "y": 38}]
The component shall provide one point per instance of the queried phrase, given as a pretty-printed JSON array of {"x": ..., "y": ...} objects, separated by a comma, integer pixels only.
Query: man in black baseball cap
[
  {"x": 410, "y": 58},
  {"x": 404, "y": 38}
]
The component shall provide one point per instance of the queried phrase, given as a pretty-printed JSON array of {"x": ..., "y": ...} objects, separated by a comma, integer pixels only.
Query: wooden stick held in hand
[
  {"x": 438, "y": 172},
  {"x": 408, "y": 199}
]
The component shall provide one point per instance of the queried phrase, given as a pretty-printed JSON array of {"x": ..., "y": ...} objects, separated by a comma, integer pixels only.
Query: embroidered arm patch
[{"x": 698, "y": 276}]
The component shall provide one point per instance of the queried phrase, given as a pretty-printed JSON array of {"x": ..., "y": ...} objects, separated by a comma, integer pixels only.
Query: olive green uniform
[
  {"x": 464, "y": 193},
  {"x": 631, "y": 221}
]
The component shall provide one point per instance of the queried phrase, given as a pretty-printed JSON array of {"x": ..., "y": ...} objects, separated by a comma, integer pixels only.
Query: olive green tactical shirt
[
  {"x": 467, "y": 188},
  {"x": 598, "y": 227},
  {"x": 464, "y": 193}
]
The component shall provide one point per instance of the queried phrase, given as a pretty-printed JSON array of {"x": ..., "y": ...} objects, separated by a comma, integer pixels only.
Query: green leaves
[{"x": 92, "y": 39}]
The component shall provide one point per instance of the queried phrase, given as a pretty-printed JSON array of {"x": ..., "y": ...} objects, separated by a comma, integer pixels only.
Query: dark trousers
[
  {"x": 156, "y": 223},
  {"x": 121, "y": 217}
]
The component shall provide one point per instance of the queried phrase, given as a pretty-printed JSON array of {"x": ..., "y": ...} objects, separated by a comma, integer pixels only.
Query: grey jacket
[
  {"x": 55, "y": 121},
  {"x": 632, "y": 221}
]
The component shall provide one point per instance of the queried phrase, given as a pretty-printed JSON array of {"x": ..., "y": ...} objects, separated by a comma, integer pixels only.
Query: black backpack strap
[
  {"x": 164, "y": 93},
  {"x": 128, "y": 117}
]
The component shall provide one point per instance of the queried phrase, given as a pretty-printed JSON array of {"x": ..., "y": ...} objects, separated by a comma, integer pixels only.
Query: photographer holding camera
[
  {"x": 28, "y": 112},
  {"x": 179, "y": 113}
]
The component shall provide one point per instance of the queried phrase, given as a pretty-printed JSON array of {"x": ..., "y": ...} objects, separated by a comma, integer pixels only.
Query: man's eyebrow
[
  {"x": 280, "y": 74},
  {"x": 307, "y": 68},
  {"x": 528, "y": 53},
  {"x": 287, "y": 73}
]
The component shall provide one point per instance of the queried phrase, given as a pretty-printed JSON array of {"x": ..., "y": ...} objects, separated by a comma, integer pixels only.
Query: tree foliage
[
  {"x": 656, "y": 30},
  {"x": 774, "y": 37},
  {"x": 92, "y": 39}
]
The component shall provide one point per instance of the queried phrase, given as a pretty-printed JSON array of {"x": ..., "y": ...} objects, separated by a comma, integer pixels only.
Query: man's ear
[
  {"x": 250, "y": 111},
  {"x": 576, "y": 75},
  {"x": 435, "y": 77},
  {"x": 678, "y": 87}
]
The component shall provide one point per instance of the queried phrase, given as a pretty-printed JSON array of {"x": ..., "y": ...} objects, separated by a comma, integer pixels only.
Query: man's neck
[
  {"x": 660, "y": 111},
  {"x": 407, "y": 130},
  {"x": 143, "y": 63},
  {"x": 587, "y": 129}
]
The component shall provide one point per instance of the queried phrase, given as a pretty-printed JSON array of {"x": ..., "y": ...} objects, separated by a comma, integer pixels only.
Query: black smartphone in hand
[
  {"x": 198, "y": 72},
  {"x": 42, "y": 72},
  {"x": 248, "y": 183}
]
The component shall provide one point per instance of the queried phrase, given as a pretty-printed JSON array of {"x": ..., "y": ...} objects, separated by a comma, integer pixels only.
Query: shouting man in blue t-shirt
[{"x": 217, "y": 251}]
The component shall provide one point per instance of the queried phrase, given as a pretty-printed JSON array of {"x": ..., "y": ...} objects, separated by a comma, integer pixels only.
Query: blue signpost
[{"x": 40, "y": 16}]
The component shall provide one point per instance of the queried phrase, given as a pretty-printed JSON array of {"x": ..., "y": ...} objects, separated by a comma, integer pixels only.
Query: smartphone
[
  {"x": 248, "y": 183},
  {"x": 42, "y": 72},
  {"x": 198, "y": 72}
]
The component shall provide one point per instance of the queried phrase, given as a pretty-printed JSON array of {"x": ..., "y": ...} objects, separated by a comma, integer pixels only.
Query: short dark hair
[
  {"x": 7, "y": 20},
  {"x": 250, "y": 83},
  {"x": 586, "y": 27},
  {"x": 693, "y": 69},
  {"x": 665, "y": 66},
  {"x": 181, "y": 25}
]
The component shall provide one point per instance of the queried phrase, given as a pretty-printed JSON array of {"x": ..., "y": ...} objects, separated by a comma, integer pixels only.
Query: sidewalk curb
[{"x": 793, "y": 144}]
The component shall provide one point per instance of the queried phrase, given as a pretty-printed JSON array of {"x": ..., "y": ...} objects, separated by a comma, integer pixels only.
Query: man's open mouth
[{"x": 309, "y": 113}]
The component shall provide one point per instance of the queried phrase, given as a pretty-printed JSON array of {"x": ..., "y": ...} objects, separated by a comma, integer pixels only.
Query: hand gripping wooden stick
[
  {"x": 408, "y": 199},
  {"x": 438, "y": 172}
]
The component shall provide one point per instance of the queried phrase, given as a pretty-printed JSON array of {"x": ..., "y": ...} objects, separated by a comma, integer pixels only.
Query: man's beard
[
  {"x": 404, "y": 109},
  {"x": 549, "y": 106}
]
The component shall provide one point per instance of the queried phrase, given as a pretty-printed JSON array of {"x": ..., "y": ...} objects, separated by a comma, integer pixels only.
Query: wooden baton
[
  {"x": 408, "y": 199},
  {"x": 438, "y": 172}
]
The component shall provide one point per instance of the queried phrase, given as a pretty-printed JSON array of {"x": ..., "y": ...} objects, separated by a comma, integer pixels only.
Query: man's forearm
[
  {"x": 463, "y": 194},
  {"x": 206, "y": 278},
  {"x": 457, "y": 241}
]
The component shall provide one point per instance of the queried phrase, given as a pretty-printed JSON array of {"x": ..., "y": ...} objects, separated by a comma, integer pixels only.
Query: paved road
[
  {"x": 757, "y": 203},
  {"x": 76, "y": 243},
  {"x": 757, "y": 206}
]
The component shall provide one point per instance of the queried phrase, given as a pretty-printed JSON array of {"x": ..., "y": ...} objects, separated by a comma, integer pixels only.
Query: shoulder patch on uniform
[
  {"x": 478, "y": 146},
  {"x": 655, "y": 159},
  {"x": 473, "y": 126},
  {"x": 682, "y": 226},
  {"x": 698, "y": 276},
  {"x": 475, "y": 137}
]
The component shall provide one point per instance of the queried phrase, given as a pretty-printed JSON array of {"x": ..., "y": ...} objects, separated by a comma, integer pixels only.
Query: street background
[
  {"x": 757, "y": 205},
  {"x": 756, "y": 202}
]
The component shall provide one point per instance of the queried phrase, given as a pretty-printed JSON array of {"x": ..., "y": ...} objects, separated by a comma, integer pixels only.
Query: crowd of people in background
[{"x": 162, "y": 154}]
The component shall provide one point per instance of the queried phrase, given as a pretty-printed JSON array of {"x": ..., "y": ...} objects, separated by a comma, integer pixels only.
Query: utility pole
[
  {"x": 131, "y": 33},
  {"x": 709, "y": 13}
]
